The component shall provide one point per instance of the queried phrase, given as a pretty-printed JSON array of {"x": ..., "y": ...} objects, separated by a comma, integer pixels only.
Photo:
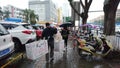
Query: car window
[
  {"x": 28, "y": 26},
  {"x": 13, "y": 26},
  {"x": 3, "y": 31},
  {"x": 41, "y": 27},
  {"x": 9, "y": 26},
  {"x": 34, "y": 27}
]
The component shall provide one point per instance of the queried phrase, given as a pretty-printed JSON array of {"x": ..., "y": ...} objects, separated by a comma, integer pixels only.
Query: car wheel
[{"x": 17, "y": 45}]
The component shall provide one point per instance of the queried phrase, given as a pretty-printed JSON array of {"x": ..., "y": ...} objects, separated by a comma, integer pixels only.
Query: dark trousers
[
  {"x": 65, "y": 41},
  {"x": 51, "y": 49}
]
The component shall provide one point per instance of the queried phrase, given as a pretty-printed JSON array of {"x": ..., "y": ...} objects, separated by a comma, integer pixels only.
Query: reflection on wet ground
[
  {"x": 72, "y": 60},
  {"x": 67, "y": 59}
]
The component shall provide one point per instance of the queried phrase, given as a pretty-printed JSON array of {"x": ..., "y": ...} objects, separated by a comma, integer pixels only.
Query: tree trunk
[
  {"x": 84, "y": 22},
  {"x": 84, "y": 17},
  {"x": 85, "y": 7},
  {"x": 109, "y": 18},
  {"x": 109, "y": 25}
]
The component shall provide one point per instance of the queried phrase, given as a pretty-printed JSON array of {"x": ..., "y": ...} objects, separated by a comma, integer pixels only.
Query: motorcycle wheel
[
  {"x": 84, "y": 56},
  {"x": 80, "y": 53}
]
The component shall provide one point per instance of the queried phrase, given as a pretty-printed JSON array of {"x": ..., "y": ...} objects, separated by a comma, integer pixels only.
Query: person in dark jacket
[
  {"x": 48, "y": 33},
  {"x": 65, "y": 33}
]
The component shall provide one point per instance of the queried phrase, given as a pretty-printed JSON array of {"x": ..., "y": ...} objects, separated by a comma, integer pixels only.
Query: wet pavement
[{"x": 67, "y": 59}]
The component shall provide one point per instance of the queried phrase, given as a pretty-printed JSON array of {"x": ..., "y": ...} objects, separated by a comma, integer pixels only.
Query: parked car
[
  {"x": 38, "y": 31},
  {"x": 22, "y": 33},
  {"x": 6, "y": 43}
]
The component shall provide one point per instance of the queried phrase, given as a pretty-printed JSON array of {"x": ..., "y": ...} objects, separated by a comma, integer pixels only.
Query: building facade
[
  {"x": 59, "y": 11},
  {"x": 14, "y": 12},
  {"x": 45, "y": 9}
]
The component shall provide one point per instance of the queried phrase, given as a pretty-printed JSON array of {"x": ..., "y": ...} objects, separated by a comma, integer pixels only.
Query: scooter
[{"x": 99, "y": 47}]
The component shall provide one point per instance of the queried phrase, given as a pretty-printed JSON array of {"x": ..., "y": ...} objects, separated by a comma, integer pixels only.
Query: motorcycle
[{"x": 98, "y": 46}]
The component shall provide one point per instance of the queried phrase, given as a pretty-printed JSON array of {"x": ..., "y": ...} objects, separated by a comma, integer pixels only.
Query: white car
[
  {"x": 22, "y": 33},
  {"x": 6, "y": 43}
]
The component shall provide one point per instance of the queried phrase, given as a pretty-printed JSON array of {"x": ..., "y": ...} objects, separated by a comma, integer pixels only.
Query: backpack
[{"x": 65, "y": 33}]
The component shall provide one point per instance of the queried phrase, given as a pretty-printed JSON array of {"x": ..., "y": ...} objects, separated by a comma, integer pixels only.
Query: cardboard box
[{"x": 36, "y": 49}]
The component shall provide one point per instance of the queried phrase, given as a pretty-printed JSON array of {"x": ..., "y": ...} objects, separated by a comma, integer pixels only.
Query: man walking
[
  {"x": 48, "y": 33},
  {"x": 65, "y": 34}
]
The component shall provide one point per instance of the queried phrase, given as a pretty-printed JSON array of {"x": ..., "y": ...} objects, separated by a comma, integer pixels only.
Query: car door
[{"x": 5, "y": 41}]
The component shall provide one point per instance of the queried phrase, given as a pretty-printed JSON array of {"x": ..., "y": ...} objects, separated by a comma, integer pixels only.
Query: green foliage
[
  {"x": 6, "y": 14},
  {"x": 26, "y": 14},
  {"x": 68, "y": 19},
  {"x": 1, "y": 13},
  {"x": 1, "y": 10},
  {"x": 30, "y": 16}
]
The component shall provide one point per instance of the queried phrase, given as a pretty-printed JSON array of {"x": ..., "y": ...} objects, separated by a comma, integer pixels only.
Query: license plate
[{"x": 4, "y": 52}]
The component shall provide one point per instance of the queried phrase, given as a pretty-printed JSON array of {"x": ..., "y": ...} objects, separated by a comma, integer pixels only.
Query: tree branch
[
  {"x": 83, "y": 6},
  {"x": 74, "y": 8},
  {"x": 88, "y": 5}
]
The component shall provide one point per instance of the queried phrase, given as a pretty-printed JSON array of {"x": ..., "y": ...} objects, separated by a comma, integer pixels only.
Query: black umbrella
[{"x": 66, "y": 25}]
